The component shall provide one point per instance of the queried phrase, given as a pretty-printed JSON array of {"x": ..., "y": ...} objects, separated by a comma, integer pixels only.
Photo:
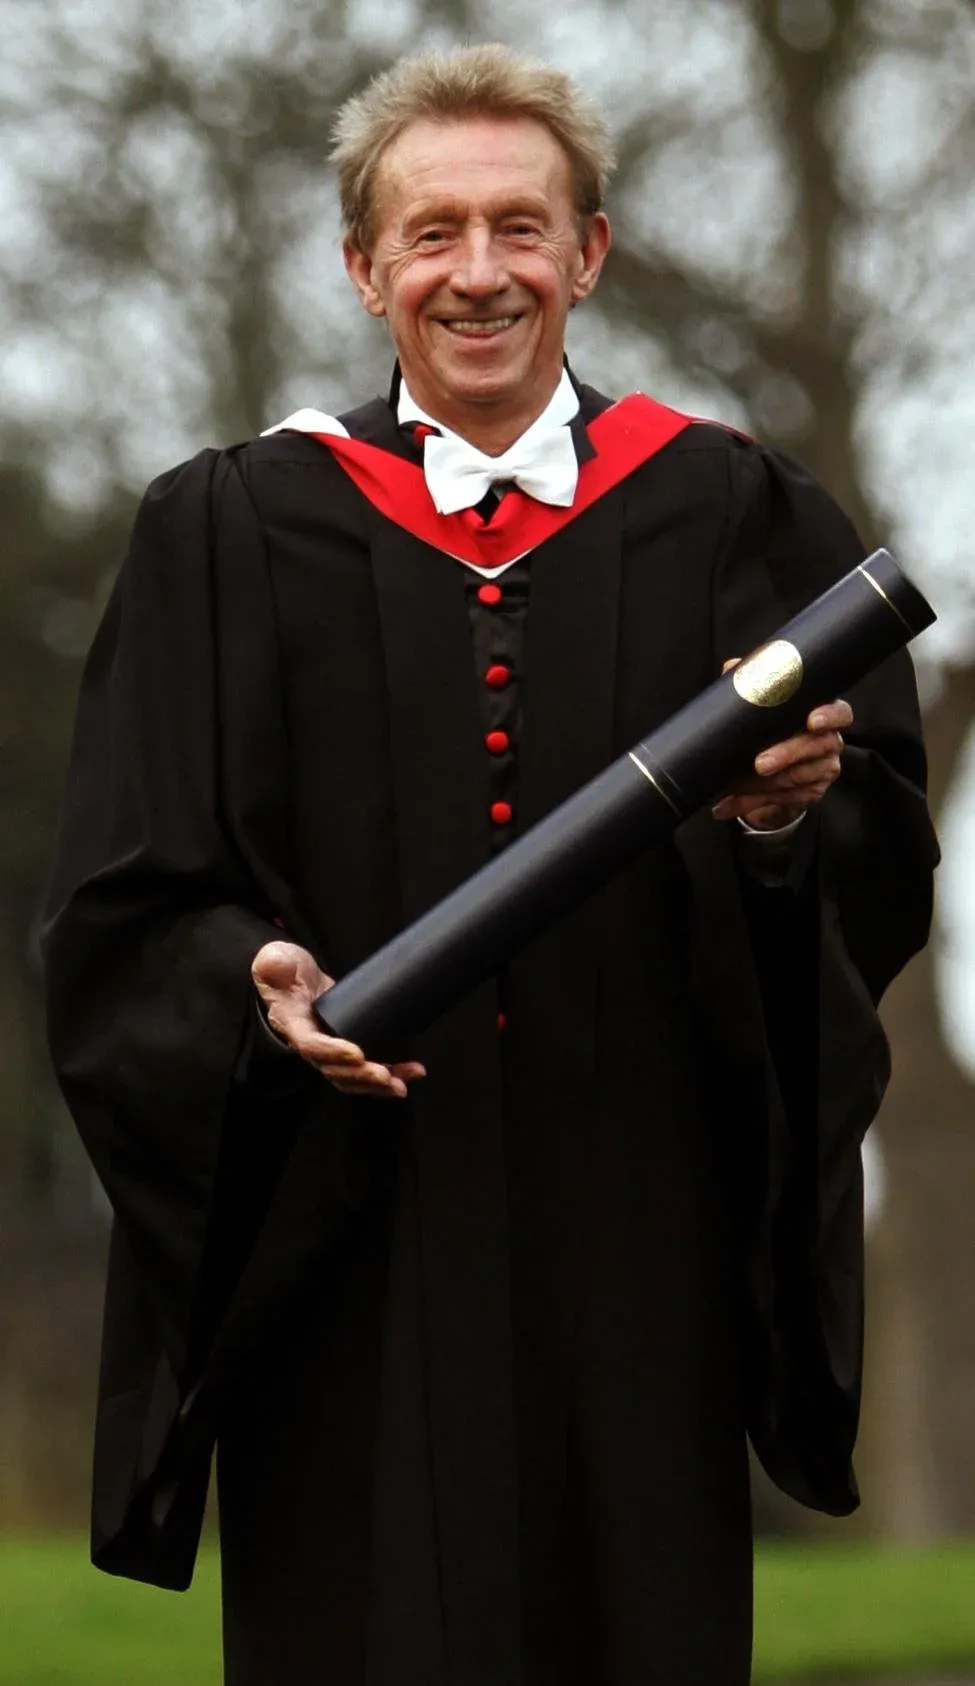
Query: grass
[
  {"x": 64, "y": 1624},
  {"x": 863, "y": 1609},
  {"x": 820, "y": 1611}
]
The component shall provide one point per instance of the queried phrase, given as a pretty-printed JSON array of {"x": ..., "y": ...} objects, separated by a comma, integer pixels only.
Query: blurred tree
[
  {"x": 845, "y": 299},
  {"x": 792, "y": 219},
  {"x": 52, "y": 1230}
]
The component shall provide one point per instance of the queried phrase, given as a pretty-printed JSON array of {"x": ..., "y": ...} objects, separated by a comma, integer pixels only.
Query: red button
[
  {"x": 501, "y": 812},
  {"x": 500, "y": 1021},
  {"x": 497, "y": 742},
  {"x": 489, "y": 594},
  {"x": 497, "y": 676}
]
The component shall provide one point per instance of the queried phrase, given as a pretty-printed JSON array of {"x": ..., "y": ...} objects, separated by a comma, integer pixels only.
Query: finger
[
  {"x": 408, "y": 1070},
  {"x": 804, "y": 772},
  {"x": 765, "y": 819},
  {"x": 366, "y": 1071},
  {"x": 310, "y": 1043},
  {"x": 788, "y": 789},
  {"x": 395, "y": 1091},
  {"x": 773, "y": 814},
  {"x": 372, "y": 1078},
  {"x": 283, "y": 969},
  {"x": 807, "y": 746},
  {"x": 784, "y": 786},
  {"x": 374, "y": 1082},
  {"x": 730, "y": 663},
  {"x": 369, "y": 1071},
  {"x": 798, "y": 795},
  {"x": 831, "y": 717},
  {"x": 275, "y": 966}
]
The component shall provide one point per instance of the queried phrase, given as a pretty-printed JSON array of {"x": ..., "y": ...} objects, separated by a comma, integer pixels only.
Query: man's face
[{"x": 475, "y": 260}]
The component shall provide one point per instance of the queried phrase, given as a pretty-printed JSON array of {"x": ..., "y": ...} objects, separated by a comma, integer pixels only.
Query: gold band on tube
[
  {"x": 656, "y": 785},
  {"x": 878, "y": 588}
]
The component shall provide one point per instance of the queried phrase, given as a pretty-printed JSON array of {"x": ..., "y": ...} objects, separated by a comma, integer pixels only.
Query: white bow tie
[{"x": 544, "y": 465}]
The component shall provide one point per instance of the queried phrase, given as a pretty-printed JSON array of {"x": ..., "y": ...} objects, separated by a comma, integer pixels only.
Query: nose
[{"x": 480, "y": 272}]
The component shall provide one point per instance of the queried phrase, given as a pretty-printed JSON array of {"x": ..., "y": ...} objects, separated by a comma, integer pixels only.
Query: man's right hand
[{"x": 288, "y": 979}]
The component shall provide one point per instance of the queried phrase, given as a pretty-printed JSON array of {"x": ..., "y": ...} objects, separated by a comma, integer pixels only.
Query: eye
[
  {"x": 432, "y": 237},
  {"x": 521, "y": 229}
]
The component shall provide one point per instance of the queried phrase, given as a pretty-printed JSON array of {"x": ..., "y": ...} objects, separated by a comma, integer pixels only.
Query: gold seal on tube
[{"x": 770, "y": 675}]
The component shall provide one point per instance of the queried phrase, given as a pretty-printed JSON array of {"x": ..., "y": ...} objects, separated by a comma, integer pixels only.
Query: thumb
[
  {"x": 730, "y": 663},
  {"x": 276, "y": 966}
]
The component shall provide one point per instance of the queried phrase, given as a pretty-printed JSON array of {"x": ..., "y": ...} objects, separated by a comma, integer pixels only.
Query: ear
[
  {"x": 359, "y": 268},
  {"x": 593, "y": 248}
]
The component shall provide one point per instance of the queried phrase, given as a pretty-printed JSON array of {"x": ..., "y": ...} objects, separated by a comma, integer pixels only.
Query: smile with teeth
[{"x": 492, "y": 325}]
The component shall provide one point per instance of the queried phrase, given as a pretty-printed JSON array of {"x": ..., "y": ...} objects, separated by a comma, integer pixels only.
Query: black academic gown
[{"x": 480, "y": 1365}]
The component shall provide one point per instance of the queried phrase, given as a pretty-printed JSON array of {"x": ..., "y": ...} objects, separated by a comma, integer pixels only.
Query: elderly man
[{"x": 479, "y": 1325}]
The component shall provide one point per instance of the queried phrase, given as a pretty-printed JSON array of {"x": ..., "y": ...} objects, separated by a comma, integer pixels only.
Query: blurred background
[{"x": 795, "y": 245}]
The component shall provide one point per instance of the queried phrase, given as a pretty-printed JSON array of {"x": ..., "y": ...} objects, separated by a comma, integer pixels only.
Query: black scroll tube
[{"x": 687, "y": 762}]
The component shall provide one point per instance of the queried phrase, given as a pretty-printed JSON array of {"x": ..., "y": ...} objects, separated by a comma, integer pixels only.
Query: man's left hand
[{"x": 792, "y": 776}]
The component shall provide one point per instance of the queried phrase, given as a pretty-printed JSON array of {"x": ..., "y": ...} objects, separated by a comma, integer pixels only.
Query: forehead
[{"x": 474, "y": 161}]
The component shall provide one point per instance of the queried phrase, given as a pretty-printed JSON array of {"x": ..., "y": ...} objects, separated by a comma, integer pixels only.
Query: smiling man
[
  {"x": 480, "y": 1325},
  {"x": 474, "y": 251}
]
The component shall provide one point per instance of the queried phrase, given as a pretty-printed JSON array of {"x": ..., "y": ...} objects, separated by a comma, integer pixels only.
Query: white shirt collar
[{"x": 561, "y": 408}]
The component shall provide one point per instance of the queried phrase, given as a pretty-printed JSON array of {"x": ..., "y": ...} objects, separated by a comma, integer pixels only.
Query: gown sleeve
[
  {"x": 824, "y": 944},
  {"x": 154, "y": 914}
]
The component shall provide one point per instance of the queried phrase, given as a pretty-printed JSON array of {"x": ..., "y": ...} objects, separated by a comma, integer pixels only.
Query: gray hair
[{"x": 482, "y": 81}]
